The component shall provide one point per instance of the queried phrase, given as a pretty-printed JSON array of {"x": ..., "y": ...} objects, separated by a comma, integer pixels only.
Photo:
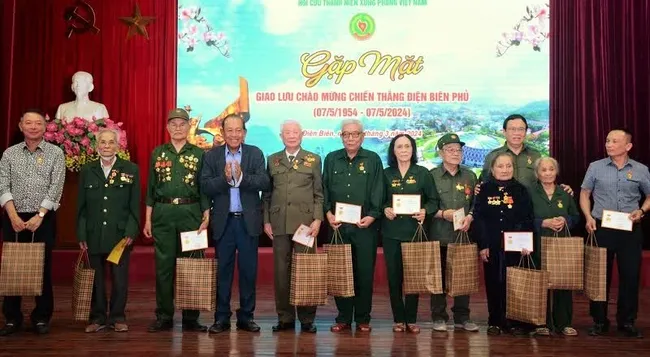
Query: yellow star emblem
[{"x": 137, "y": 23}]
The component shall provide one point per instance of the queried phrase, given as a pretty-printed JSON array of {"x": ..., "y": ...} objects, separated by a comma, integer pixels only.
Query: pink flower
[
  {"x": 79, "y": 122},
  {"x": 85, "y": 141},
  {"x": 92, "y": 127},
  {"x": 49, "y": 136},
  {"x": 52, "y": 127},
  {"x": 122, "y": 140},
  {"x": 59, "y": 138}
]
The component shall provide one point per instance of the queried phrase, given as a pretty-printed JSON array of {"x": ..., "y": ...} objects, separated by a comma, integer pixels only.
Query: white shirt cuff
[
  {"x": 49, "y": 205},
  {"x": 5, "y": 198}
]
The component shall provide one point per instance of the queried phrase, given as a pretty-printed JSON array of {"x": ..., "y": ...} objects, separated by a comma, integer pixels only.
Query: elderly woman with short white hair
[{"x": 553, "y": 209}]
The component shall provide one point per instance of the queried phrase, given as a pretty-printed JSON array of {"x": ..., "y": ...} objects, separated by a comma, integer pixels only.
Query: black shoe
[
  {"x": 249, "y": 326},
  {"x": 161, "y": 325},
  {"x": 283, "y": 326},
  {"x": 308, "y": 328},
  {"x": 599, "y": 329},
  {"x": 219, "y": 327},
  {"x": 9, "y": 329},
  {"x": 194, "y": 326},
  {"x": 42, "y": 328},
  {"x": 630, "y": 331},
  {"x": 494, "y": 330}
]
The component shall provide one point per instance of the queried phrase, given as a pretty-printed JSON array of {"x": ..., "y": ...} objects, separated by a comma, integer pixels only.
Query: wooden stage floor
[{"x": 68, "y": 339}]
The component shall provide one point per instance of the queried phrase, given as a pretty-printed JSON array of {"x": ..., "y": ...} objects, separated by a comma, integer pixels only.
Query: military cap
[
  {"x": 449, "y": 138},
  {"x": 178, "y": 113}
]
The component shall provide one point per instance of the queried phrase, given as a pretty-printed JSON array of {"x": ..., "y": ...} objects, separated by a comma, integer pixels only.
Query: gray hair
[
  {"x": 350, "y": 122},
  {"x": 290, "y": 122},
  {"x": 539, "y": 162},
  {"x": 108, "y": 130}
]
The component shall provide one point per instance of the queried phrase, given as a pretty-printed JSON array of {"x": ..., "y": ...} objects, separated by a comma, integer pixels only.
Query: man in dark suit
[{"x": 233, "y": 176}]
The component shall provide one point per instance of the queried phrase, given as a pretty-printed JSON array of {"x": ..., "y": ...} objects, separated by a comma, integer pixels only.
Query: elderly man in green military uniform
[
  {"x": 175, "y": 204},
  {"x": 108, "y": 211},
  {"x": 354, "y": 175},
  {"x": 296, "y": 198},
  {"x": 455, "y": 185}
]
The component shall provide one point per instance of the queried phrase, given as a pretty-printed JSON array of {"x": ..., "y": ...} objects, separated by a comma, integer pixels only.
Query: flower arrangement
[
  {"x": 196, "y": 30},
  {"x": 532, "y": 28},
  {"x": 78, "y": 141}
]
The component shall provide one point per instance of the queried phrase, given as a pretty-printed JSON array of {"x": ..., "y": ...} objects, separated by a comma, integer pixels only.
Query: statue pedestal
[{"x": 66, "y": 215}]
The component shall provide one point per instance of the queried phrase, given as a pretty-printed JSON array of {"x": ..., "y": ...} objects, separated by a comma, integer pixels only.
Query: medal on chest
[
  {"x": 362, "y": 168},
  {"x": 629, "y": 175},
  {"x": 559, "y": 204},
  {"x": 530, "y": 161},
  {"x": 507, "y": 200},
  {"x": 410, "y": 180}
]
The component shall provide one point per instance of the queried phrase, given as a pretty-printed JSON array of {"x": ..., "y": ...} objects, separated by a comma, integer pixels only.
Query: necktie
[{"x": 291, "y": 157}]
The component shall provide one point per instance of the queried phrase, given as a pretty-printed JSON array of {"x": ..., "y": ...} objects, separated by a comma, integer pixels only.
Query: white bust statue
[{"x": 82, "y": 106}]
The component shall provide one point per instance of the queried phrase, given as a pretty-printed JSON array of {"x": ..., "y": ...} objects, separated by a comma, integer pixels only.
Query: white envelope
[
  {"x": 301, "y": 236},
  {"x": 616, "y": 220},
  {"x": 459, "y": 216},
  {"x": 517, "y": 241},
  {"x": 193, "y": 241}
]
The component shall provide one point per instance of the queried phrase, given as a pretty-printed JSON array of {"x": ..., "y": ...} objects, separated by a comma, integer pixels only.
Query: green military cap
[
  {"x": 449, "y": 138},
  {"x": 178, "y": 113}
]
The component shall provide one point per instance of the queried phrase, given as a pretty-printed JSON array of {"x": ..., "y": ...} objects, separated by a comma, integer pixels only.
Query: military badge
[
  {"x": 494, "y": 201},
  {"x": 507, "y": 200},
  {"x": 307, "y": 163},
  {"x": 276, "y": 162},
  {"x": 395, "y": 183},
  {"x": 361, "y": 168},
  {"x": 468, "y": 192},
  {"x": 530, "y": 161},
  {"x": 459, "y": 187},
  {"x": 559, "y": 204},
  {"x": 410, "y": 180},
  {"x": 310, "y": 158},
  {"x": 629, "y": 175}
]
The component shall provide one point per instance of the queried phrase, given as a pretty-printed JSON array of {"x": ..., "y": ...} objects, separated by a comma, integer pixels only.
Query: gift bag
[
  {"x": 21, "y": 270},
  {"x": 421, "y": 265},
  {"x": 196, "y": 283},
  {"x": 563, "y": 258},
  {"x": 82, "y": 289},
  {"x": 461, "y": 272},
  {"x": 340, "y": 276},
  {"x": 526, "y": 292},
  {"x": 308, "y": 279},
  {"x": 595, "y": 270}
]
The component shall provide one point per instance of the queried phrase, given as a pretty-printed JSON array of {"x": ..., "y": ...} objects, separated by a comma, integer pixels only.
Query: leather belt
[
  {"x": 177, "y": 201},
  {"x": 236, "y": 214}
]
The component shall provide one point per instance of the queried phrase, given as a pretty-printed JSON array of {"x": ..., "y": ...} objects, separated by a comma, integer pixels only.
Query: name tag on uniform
[
  {"x": 301, "y": 236},
  {"x": 616, "y": 220},
  {"x": 194, "y": 241},
  {"x": 406, "y": 204}
]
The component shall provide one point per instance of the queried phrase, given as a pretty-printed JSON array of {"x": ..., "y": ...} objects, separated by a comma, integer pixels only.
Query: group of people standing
[{"x": 232, "y": 190}]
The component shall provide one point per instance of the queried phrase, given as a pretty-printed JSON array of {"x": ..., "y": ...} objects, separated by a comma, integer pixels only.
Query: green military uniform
[
  {"x": 357, "y": 181},
  {"x": 174, "y": 193},
  {"x": 402, "y": 228},
  {"x": 456, "y": 191},
  {"x": 523, "y": 168},
  {"x": 108, "y": 210},
  {"x": 560, "y": 204},
  {"x": 296, "y": 198}
]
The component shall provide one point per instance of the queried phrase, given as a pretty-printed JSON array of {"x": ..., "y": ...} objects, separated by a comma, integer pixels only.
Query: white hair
[
  {"x": 108, "y": 130},
  {"x": 539, "y": 162},
  {"x": 290, "y": 122},
  {"x": 350, "y": 122}
]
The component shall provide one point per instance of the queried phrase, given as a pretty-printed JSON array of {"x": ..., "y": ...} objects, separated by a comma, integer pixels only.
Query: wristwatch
[{"x": 41, "y": 214}]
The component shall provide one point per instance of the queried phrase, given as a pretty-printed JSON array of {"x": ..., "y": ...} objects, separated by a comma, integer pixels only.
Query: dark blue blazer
[{"x": 215, "y": 186}]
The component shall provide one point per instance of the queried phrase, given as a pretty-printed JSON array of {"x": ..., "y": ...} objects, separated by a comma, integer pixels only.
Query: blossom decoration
[
  {"x": 78, "y": 140},
  {"x": 196, "y": 30},
  {"x": 532, "y": 28}
]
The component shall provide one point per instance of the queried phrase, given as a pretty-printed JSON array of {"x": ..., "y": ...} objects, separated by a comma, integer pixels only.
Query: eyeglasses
[{"x": 353, "y": 135}]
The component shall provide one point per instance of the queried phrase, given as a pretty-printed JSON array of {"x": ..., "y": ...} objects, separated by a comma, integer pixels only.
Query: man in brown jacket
[{"x": 296, "y": 198}]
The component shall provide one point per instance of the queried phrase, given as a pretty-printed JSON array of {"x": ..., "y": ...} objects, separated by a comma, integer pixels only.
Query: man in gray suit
[
  {"x": 233, "y": 176},
  {"x": 296, "y": 198}
]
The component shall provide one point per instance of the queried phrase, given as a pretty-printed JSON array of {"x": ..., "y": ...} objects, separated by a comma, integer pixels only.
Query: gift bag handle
[
  {"x": 336, "y": 237},
  {"x": 462, "y": 238},
  {"x": 565, "y": 230},
  {"x": 200, "y": 253},
  {"x": 420, "y": 235},
  {"x": 591, "y": 240},
  {"x": 526, "y": 262},
  {"x": 33, "y": 233},
  {"x": 83, "y": 254}
]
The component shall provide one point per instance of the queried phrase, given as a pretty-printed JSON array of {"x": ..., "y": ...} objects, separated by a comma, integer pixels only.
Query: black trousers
[
  {"x": 11, "y": 307},
  {"x": 119, "y": 288},
  {"x": 627, "y": 247}
]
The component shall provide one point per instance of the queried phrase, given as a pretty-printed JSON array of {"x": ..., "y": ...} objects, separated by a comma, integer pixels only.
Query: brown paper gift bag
[
  {"x": 563, "y": 258},
  {"x": 421, "y": 265},
  {"x": 340, "y": 275},
  {"x": 461, "y": 272},
  {"x": 196, "y": 283},
  {"x": 526, "y": 293},
  {"x": 82, "y": 289},
  {"x": 595, "y": 270},
  {"x": 308, "y": 279},
  {"x": 21, "y": 270}
]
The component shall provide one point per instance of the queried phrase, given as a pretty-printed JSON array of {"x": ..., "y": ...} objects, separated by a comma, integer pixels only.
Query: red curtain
[
  {"x": 600, "y": 80},
  {"x": 134, "y": 78}
]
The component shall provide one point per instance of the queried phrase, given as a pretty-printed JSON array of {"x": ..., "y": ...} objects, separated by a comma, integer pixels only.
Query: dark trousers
[
  {"x": 494, "y": 272},
  {"x": 167, "y": 223},
  {"x": 405, "y": 308},
  {"x": 364, "y": 256},
  {"x": 560, "y": 310},
  {"x": 439, "y": 301},
  {"x": 119, "y": 288},
  {"x": 627, "y": 247},
  {"x": 282, "y": 254},
  {"x": 11, "y": 306},
  {"x": 235, "y": 238}
]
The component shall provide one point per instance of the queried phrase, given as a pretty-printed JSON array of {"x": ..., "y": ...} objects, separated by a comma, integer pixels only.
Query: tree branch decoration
[
  {"x": 532, "y": 28},
  {"x": 197, "y": 30}
]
